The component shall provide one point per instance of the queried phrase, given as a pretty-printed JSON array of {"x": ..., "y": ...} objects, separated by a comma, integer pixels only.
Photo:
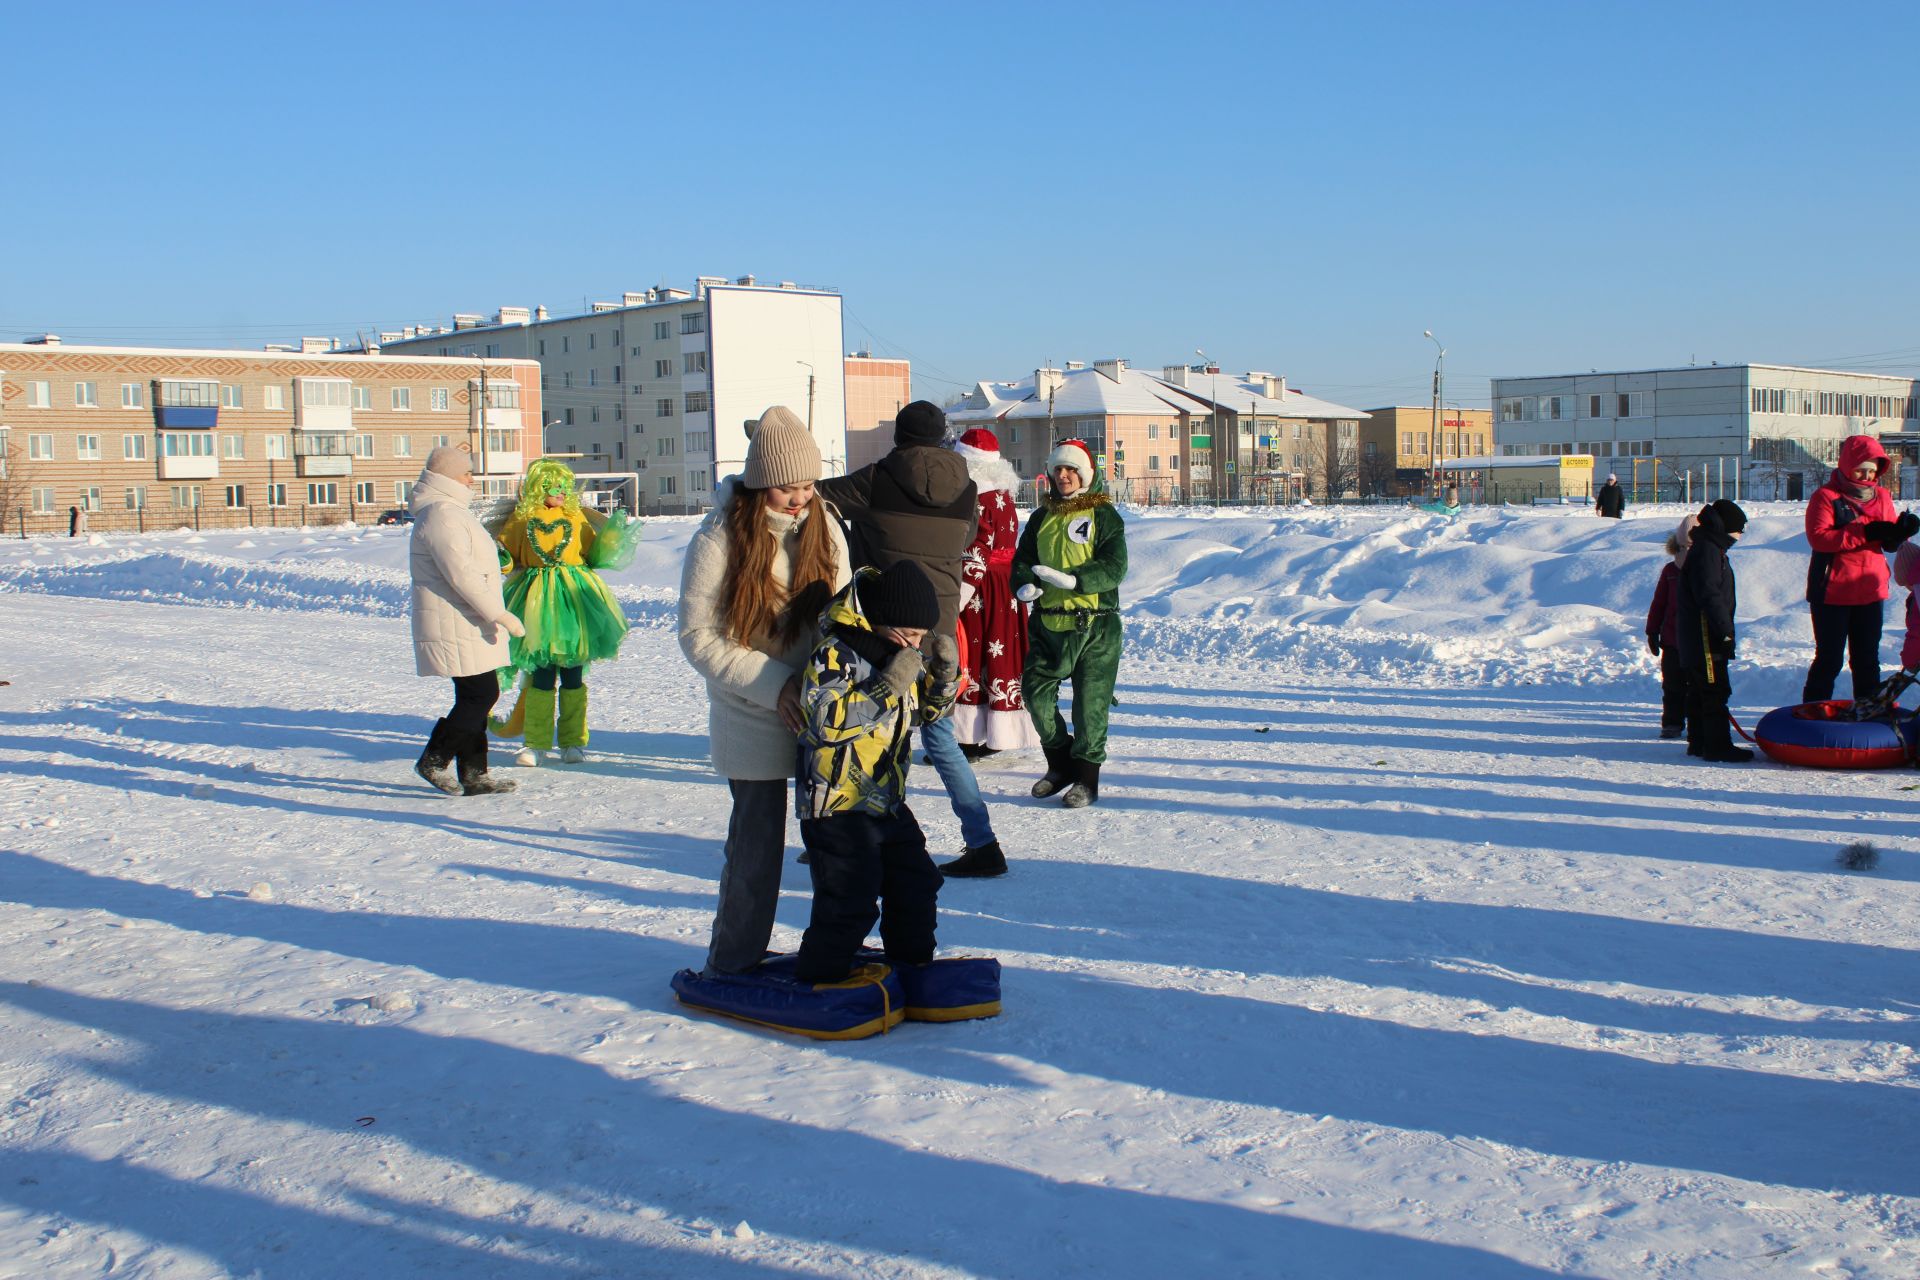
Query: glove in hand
[
  {"x": 1054, "y": 578},
  {"x": 902, "y": 669},
  {"x": 1653, "y": 645},
  {"x": 1027, "y": 594},
  {"x": 1907, "y": 525},
  {"x": 1881, "y": 531}
]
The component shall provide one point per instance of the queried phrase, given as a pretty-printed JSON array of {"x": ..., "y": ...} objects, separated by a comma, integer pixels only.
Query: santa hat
[
  {"x": 977, "y": 442},
  {"x": 1075, "y": 454}
]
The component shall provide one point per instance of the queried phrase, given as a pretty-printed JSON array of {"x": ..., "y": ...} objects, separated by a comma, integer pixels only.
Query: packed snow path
[{"x": 1409, "y": 954}]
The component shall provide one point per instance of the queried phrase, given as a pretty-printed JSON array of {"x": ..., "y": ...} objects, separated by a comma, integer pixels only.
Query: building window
[
  {"x": 1553, "y": 408},
  {"x": 233, "y": 446},
  {"x": 86, "y": 395},
  {"x": 273, "y": 398},
  {"x": 441, "y": 442},
  {"x": 663, "y": 447},
  {"x": 402, "y": 399},
  {"x": 593, "y": 414},
  {"x": 230, "y": 397},
  {"x": 363, "y": 398},
  {"x": 543, "y": 347},
  {"x": 1634, "y": 404},
  {"x": 616, "y": 375},
  {"x": 322, "y": 493},
  {"x": 403, "y": 446},
  {"x": 39, "y": 395},
  {"x": 696, "y": 402},
  {"x": 1593, "y": 406},
  {"x": 177, "y": 393},
  {"x": 276, "y": 495},
  {"x": 569, "y": 417},
  {"x": 593, "y": 377},
  {"x": 1153, "y": 462},
  {"x": 135, "y": 497},
  {"x": 693, "y": 362},
  {"x": 90, "y": 498},
  {"x": 363, "y": 445},
  {"x": 277, "y": 448},
  {"x": 663, "y": 368},
  {"x": 693, "y": 322},
  {"x": 132, "y": 396},
  {"x": 403, "y": 491},
  {"x": 566, "y": 378},
  {"x": 134, "y": 447},
  {"x": 327, "y": 393},
  {"x": 186, "y": 444},
  {"x": 437, "y": 399},
  {"x": 86, "y": 448},
  {"x": 666, "y": 487},
  {"x": 1013, "y": 435},
  {"x": 236, "y": 495},
  {"x": 40, "y": 448},
  {"x": 663, "y": 408},
  {"x": 1153, "y": 431},
  {"x": 662, "y": 329},
  {"x": 363, "y": 493},
  {"x": 186, "y": 497},
  {"x": 43, "y": 501}
]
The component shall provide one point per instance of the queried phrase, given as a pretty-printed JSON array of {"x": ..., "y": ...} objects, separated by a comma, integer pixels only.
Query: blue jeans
[{"x": 956, "y": 775}]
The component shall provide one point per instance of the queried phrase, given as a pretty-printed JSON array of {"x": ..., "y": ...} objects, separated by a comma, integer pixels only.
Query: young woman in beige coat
[
  {"x": 758, "y": 573},
  {"x": 460, "y": 622}
]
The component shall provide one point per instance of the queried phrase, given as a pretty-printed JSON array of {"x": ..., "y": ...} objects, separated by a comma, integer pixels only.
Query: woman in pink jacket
[{"x": 1851, "y": 526}]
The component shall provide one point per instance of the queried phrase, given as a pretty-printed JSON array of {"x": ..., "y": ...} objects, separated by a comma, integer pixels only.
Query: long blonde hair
[{"x": 756, "y": 606}]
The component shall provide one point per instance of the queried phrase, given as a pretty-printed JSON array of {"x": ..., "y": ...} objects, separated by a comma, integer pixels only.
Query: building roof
[
  {"x": 229, "y": 353},
  {"x": 1084, "y": 391},
  {"x": 1708, "y": 368}
]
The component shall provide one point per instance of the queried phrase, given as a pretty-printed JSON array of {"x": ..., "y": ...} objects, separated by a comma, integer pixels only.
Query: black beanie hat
[
  {"x": 1732, "y": 518},
  {"x": 901, "y": 595},
  {"x": 922, "y": 422}
]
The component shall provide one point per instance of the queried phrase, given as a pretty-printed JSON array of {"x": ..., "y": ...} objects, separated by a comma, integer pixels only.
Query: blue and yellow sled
[
  {"x": 874, "y": 998},
  {"x": 951, "y": 990}
]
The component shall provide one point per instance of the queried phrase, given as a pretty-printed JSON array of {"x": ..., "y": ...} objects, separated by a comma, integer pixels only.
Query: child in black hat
[
  {"x": 864, "y": 691},
  {"x": 1706, "y": 632}
]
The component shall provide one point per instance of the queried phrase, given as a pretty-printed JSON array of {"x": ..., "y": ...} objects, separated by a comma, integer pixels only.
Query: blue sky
[{"x": 1299, "y": 189}]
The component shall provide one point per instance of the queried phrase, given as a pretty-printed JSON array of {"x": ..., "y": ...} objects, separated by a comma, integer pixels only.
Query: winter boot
[
  {"x": 538, "y": 704},
  {"x": 1059, "y": 770},
  {"x": 978, "y": 861},
  {"x": 474, "y": 778},
  {"x": 1672, "y": 730},
  {"x": 573, "y": 725},
  {"x": 436, "y": 762},
  {"x": 1086, "y": 786}
]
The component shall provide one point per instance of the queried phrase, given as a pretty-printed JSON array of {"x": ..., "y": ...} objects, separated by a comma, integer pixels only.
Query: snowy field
[{"x": 1397, "y": 946}]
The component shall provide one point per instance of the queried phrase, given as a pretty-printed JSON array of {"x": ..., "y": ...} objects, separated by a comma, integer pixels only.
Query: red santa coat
[{"x": 990, "y": 711}]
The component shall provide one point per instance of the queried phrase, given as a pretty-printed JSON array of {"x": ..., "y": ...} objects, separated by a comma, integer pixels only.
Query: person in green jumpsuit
[{"x": 1072, "y": 556}]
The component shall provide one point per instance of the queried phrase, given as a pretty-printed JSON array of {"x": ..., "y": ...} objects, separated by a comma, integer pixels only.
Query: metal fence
[{"x": 22, "y": 523}]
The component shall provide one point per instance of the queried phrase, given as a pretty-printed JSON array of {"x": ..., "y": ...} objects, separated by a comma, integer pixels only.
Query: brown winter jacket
[{"x": 918, "y": 503}]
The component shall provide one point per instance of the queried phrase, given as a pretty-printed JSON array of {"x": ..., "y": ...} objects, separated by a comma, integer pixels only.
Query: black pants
[
  {"x": 473, "y": 698},
  {"x": 1674, "y": 684},
  {"x": 1850, "y": 632},
  {"x": 1708, "y": 692},
  {"x": 569, "y": 677},
  {"x": 857, "y": 858}
]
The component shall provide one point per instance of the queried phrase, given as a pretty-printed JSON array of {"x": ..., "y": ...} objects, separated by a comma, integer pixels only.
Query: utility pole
[
  {"x": 809, "y": 395},
  {"x": 1433, "y": 442}
]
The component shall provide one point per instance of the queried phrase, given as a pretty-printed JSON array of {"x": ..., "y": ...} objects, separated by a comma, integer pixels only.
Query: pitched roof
[{"x": 1093, "y": 391}]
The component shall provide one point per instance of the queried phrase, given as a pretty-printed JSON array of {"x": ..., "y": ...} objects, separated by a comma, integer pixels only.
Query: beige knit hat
[
  {"x": 781, "y": 452},
  {"x": 451, "y": 462}
]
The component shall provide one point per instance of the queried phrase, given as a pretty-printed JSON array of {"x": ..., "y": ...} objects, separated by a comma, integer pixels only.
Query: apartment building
[
  {"x": 876, "y": 391},
  {"x": 1399, "y": 448},
  {"x": 144, "y": 437},
  {"x": 1184, "y": 434},
  {"x": 1769, "y": 431},
  {"x": 662, "y": 383}
]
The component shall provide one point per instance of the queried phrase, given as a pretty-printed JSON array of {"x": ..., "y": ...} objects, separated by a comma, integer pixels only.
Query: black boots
[
  {"x": 981, "y": 861},
  {"x": 474, "y": 778},
  {"x": 436, "y": 762},
  {"x": 1086, "y": 786},
  {"x": 1059, "y": 771}
]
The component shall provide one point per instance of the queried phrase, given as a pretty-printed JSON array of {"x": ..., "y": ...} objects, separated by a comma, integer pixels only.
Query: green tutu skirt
[{"x": 570, "y": 616}]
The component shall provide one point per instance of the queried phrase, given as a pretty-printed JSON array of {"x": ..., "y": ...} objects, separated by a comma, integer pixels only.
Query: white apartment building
[
  {"x": 662, "y": 382},
  {"x": 1764, "y": 430}
]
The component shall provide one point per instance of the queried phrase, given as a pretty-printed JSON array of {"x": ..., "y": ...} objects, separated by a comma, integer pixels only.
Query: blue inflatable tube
[
  {"x": 1823, "y": 735},
  {"x": 869, "y": 1002}
]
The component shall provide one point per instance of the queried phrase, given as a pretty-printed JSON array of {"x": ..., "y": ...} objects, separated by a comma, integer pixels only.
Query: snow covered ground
[{"x": 1397, "y": 946}]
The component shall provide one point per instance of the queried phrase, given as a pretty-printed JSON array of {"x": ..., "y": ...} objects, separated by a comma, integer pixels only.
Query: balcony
[
  {"x": 188, "y": 468},
  {"x": 322, "y": 464},
  {"x": 498, "y": 463},
  {"x": 178, "y": 417}
]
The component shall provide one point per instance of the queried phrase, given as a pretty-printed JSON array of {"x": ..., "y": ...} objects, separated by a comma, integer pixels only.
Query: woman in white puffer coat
[
  {"x": 759, "y": 571},
  {"x": 460, "y": 621}
]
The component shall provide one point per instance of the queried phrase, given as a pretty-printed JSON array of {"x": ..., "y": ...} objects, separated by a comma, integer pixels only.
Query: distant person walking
[
  {"x": 1071, "y": 559},
  {"x": 73, "y": 522},
  {"x": 460, "y": 622},
  {"x": 918, "y": 503},
  {"x": 759, "y": 572},
  {"x": 1851, "y": 526},
  {"x": 1611, "y": 501}
]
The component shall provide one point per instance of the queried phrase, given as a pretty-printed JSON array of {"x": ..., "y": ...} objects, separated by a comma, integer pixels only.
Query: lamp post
[
  {"x": 810, "y": 380},
  {"x": 1433, "y": 443},
  {"x": 548, "y": 425},
  {"x": 1213, "y": 426}
]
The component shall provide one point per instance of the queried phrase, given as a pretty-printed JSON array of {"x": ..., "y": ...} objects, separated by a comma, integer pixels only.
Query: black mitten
[{"x": 1881, "y": 531}]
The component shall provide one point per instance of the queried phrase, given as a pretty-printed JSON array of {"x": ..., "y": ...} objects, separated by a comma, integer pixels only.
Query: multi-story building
[
  {"x": 1399, "y": 448},
  {"x": 1182, "y": 435},
  {"x": 138, "y": 437},
  {"x": 876, "y": 391},
  {"x": 1771, "y": 431},
  {"x": 663, "y": 383}
]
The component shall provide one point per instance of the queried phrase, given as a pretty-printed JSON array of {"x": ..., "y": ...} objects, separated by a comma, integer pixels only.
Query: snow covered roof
[{"x": 1085, "y": 391}]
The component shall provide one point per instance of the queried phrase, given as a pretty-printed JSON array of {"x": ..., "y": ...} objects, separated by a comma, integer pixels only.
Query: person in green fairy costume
[
  {"x": 553, "y": 548},
  {"x": 1071, "y": 559}
]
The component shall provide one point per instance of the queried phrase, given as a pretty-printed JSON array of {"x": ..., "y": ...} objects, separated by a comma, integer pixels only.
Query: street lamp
[
  {"x": 1213, "y": 424},
  {"x": 1433, "y": 444},
  {"x": 548, "y": 425}
]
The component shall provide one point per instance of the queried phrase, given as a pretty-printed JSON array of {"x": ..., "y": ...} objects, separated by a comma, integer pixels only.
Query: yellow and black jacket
[{"x": 858, "y": 738}]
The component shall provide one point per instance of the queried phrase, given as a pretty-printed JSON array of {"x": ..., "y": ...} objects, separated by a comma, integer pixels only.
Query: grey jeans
[{"x": 750, "y": 881}]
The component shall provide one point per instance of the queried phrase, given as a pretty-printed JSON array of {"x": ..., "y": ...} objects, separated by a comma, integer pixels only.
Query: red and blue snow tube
[{"x": 1823, "y": 735}]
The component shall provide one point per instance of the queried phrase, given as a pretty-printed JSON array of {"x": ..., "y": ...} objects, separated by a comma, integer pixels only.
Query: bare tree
[{"x": 16, "y": 477}]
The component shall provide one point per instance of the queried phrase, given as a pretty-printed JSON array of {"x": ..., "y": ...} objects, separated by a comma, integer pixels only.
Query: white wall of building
[{"x": 761, "y": 346}]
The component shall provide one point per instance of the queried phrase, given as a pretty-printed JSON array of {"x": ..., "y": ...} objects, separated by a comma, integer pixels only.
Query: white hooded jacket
[{"x": 458, "y": 613}]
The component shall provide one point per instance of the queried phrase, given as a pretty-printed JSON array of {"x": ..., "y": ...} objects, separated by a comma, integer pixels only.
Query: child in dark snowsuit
[
  {"x": 1663, "y": 632},
  {"x": 864, "y": 691},
  {"x": 1707, "y": 602}
]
